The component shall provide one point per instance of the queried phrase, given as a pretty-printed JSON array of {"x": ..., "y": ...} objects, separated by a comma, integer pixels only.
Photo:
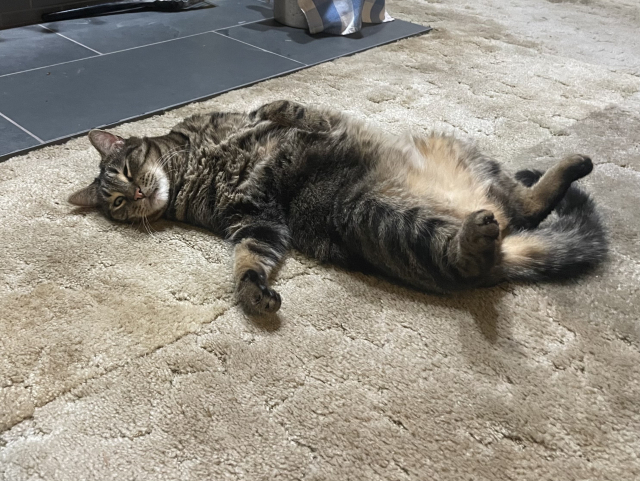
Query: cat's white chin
[{"x": 158, "y": 199}]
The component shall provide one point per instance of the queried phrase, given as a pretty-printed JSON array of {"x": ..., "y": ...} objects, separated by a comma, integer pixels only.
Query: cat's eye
[{"x": 118, "y": 202}]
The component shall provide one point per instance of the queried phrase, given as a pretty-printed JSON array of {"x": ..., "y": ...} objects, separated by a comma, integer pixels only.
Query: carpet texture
[{"x": 123, "y": 356}]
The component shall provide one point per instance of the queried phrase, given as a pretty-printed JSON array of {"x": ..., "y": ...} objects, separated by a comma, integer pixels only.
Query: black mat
[{"x": 59, "y": 80}]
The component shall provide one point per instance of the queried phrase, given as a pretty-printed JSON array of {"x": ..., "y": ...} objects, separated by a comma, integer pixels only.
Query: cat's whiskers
[
  {"x": 164, "y": 160},
  {"x": 137, "y": 224},
  {"x": 147, "y": 226}
]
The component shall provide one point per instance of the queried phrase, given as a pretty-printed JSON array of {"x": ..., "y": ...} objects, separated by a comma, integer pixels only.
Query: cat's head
[{"x": 132, "y": 185}]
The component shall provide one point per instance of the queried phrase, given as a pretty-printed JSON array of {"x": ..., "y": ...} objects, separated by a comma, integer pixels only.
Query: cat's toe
[
  {"x": 483, "y": 217},
  {"x": 266, "y": 301},
  {"x": 319, "y": 125},
  {"x": 273, "y": 301}
]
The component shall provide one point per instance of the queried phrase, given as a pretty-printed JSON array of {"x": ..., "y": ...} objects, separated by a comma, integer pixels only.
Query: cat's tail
[{"x": 570, "y": 242}]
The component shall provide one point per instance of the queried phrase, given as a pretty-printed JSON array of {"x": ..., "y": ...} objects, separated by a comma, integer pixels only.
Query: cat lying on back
[{"x": 430, "y": 211}]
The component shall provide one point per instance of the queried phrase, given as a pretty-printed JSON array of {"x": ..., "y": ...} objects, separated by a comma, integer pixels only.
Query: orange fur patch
[
  {"x": 434, "y": 169},
  {"x": 522, "y": 250}
]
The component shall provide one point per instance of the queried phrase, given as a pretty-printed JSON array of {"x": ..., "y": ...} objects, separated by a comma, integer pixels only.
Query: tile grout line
[
  {"x": 47, "y": 66},
  {"x": 262, "y": 49},
  {"x": 160, "y": 42},
  {"x": 21, "y": 128},
  {"x": 70, "y": 39},
  {"x": 186, "y": 36},
  {"x": 126, "y": 49}
]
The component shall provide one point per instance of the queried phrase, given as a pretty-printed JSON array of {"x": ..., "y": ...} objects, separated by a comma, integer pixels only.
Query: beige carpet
[{"x": 123, "y": 357}]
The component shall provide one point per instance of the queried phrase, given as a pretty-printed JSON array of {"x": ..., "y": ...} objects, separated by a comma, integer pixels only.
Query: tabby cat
[{"x": 431, "y": 212}]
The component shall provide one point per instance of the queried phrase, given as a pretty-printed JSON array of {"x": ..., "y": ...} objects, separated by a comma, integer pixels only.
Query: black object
[{"x": 125, "y": 6}]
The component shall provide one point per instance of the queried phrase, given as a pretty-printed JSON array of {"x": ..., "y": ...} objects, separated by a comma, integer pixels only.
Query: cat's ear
[
  {"x": 105, "y": 142},
  {"x": 87, "y": 197}
]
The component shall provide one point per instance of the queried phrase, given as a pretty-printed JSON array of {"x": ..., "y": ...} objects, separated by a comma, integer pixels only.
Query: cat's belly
[{"x": 433, "y": 170}]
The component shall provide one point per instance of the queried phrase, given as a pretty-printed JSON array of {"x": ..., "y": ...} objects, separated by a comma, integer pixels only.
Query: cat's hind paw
[
  {"x": 481, "y": 227},
  {"x": 577, "y": 166},
  {"x": 477, "y": 244}
]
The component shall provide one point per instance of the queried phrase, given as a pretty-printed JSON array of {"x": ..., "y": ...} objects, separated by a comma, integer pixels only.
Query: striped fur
[{"x": 431, "y": 212}]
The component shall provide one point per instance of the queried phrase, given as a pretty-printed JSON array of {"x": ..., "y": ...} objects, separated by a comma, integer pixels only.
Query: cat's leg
[
  {"x": 419, "y": 246},
  {"x": 536, "y": 200},
  {"x": 293, "y": 114},
  {"x": 259, "y": 247},
  {"x": 473, "y": 251}
]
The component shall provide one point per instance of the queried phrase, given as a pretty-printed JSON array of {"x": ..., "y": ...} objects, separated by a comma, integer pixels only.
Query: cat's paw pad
[
  {"x": 268, "y": 301},
  {"x": 254, "y": 295},
  {"x": 482, "y": 225},
  {"x": 578, "y": 166}
]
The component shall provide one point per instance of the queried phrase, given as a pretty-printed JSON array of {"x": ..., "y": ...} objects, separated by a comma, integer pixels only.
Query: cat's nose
[{"x": 138, "y": 195}]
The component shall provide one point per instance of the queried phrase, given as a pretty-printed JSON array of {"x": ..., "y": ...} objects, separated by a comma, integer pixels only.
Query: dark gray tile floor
[
  {"x": 118, "y": 32},
  {"x": 32, "y": 47},
  {"x": 63, "y": 79},
  {"x": 110, "y": 88}
]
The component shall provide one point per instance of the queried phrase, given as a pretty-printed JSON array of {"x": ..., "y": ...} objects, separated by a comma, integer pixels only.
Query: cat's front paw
[{"x": 255, "y": 296}]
